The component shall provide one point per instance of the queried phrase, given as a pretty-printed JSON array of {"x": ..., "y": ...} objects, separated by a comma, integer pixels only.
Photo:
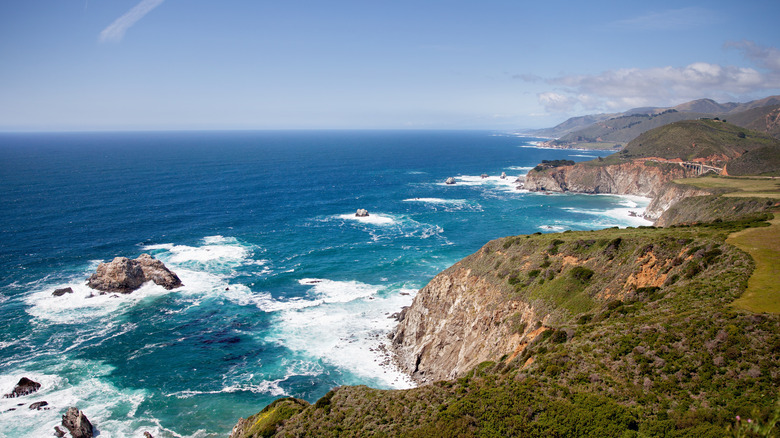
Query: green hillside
[
  {"x": 760, "y": 115},
  {"x": 674, "y": 359},
  {"x": 763, "y": 119},
  {"x": 698, "y": 139}
]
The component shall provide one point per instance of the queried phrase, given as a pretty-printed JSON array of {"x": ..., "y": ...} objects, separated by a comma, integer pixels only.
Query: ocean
[{"x": 286, "y": 292}]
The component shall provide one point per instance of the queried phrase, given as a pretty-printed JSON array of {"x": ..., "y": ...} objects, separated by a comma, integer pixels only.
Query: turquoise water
[{"x": 286, "y": 292}]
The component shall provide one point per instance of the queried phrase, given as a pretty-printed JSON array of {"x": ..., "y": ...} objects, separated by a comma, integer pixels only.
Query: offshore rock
[
  {"x": 39, "y": 406},
  {"x": 63, "y": 291},
  {"x": 124, "y": 275},
  {"x": 361, "y": 212},
  {"x": 77, "y": 423},
  {"x": 24, "y": 387},
  {"x": 450, "y": 181}
]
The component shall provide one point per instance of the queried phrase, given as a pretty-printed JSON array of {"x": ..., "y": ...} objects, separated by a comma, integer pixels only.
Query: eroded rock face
[
  {"x": 455, "y": 323},
  {"x": 77, "y": 423},
  {"x": 124, "y": 275},
  {"x": 632, "y": 178},
  {"x": 24, "y": 387}
]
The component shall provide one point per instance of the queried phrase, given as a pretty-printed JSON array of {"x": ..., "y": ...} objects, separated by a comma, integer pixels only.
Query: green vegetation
[
  {"x": 763, "y": 244},
  {"x": 642, "y": 341},
  {"x": 693, "y": 139},
  {"x": 264, "y": 423},
  {"x": 549, "y": 164},
  {"x": 737, "y": 187}
]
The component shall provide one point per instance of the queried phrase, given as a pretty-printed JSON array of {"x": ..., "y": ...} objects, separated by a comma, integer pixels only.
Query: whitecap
[
  {"x": 619, "y": 217},
  {"x": 372, "y": 218},
  {"x": 351, "y": 326},
  {"x": 114, "y": 410},
  {"x": 507, "y": 184},
  {"x": 217, "y": 253}
]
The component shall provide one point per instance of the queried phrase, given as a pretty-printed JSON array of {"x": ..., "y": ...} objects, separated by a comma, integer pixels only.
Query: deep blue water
[{"x": 286, "y": 292}]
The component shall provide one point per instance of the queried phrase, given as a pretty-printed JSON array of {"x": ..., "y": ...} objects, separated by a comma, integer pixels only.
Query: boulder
[
  {"x": 450, "y": 180},
  {"x": 361, "y": 212},
  {"x": 58, "y": 432},
  {"x": 39, "y": 406},
  {"x": 24, "y": 387},
  {"x": 61, "y": 292},
  {"x": 77, "y": 423},
  {"x": 124, "y": 275},
  {"x": 484, "y": 175},
  {"x": 503, "y": 175}
]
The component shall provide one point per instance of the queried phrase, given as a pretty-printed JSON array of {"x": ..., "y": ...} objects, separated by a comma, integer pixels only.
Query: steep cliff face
[
  {"x": 456, "y": 322},
  {"x": 668, "y": 195},
  {"x": 638, "y": 177},
  {"x": 493, "y": 304}
]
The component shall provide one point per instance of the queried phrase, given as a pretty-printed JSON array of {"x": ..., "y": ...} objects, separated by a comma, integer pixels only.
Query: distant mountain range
[{"x": 613, "y": 131}]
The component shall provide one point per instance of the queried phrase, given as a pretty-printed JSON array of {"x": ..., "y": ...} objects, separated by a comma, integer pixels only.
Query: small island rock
[
  {"x": 361, "y": 212},
  {"x": 450, "y": 180},
  {"x": 124, "y": 275},
  {"x": 24, "y": 387},
  {"x": 63, "y": 291},
  {"x": 77, "y": 423},
  {"x": 38, "y": 406}
]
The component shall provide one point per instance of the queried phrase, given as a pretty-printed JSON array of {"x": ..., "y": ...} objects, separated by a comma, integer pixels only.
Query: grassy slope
[
  {"x": 677, "y": 360},
  {"x": 737, "y": 187},
  {"x": 697, "y": 139},
  {"x": 763, "y": 244}
]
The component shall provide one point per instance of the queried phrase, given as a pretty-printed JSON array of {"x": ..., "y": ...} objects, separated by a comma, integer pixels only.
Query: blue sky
[{"x": 423, "y": 64}]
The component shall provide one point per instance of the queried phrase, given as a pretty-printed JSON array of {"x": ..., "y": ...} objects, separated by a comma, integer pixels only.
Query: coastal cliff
[
  {"x": 591, "y": 333},
  {"x": 458, "y": 321},
  {"x": 649, "y": 163},
  {"x": 637, "y": 177}
]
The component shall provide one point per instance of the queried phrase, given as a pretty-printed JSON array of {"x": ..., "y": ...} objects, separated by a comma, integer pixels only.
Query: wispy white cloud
[
  {"x": 660, "y": 86},
  {"x": 672, "y": 19},
  {"x": 116, "y": 30}
]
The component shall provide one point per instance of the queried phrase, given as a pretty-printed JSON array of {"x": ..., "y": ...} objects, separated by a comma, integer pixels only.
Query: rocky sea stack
[
  {"x": 77, "y": 423},
  {"x": 24, "y": 387},
  {"x": 124, "y": 275}
]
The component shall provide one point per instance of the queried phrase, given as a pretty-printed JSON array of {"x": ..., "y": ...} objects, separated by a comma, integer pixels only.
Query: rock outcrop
[
  {"x": 450, "y": 181},
  {"x": 670, "y": 194},
  {"x": 77, "y": 423},
  {"x": 639, "y": 177},
  {"x": 124, "y": 275},
  {"x": 361, "y": 212},
  {"x": 456, "y": 322},
  {"x": 24, "y": 387},
  {"x": 39, "y": 406},
  {"x": 63, "y": 291}
]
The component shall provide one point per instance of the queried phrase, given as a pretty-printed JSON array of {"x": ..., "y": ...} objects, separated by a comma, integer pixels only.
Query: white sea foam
[
  {"x": 111, "y": 409},
  {"x": 204, "y": 271},
  {"x": 348, "y": 329},
  {"x": 552, "y": 228},
  {"x": 621, "y": 216},
  {"x": 217, "y": 253},
  {"x": 582, "y": 155},
  {"x": 372, "y": 218},
  {"x": 507, "y": 184}
]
